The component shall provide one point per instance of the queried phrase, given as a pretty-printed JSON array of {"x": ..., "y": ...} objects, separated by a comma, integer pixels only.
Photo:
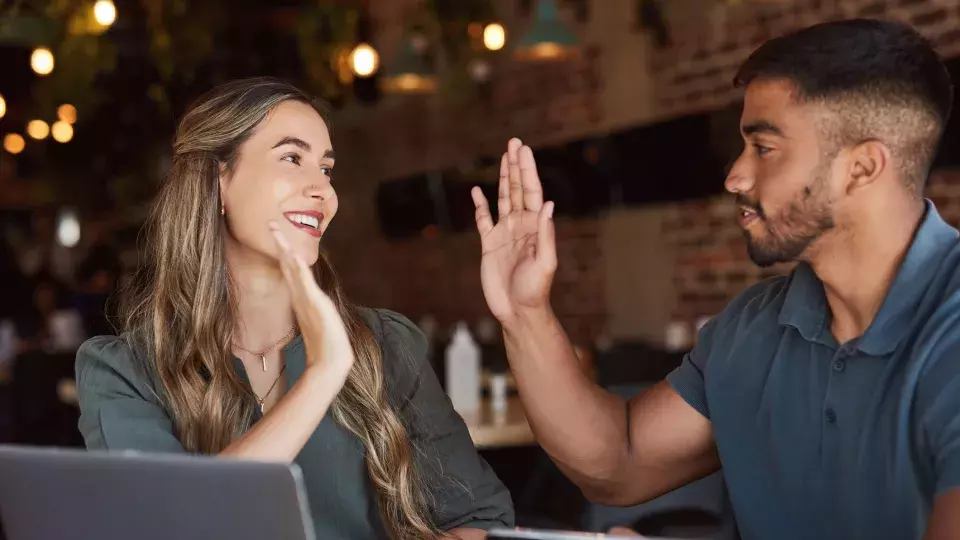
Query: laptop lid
[
  {"x": 73, "y": 494},
  {"x": 545, "y": 534}
]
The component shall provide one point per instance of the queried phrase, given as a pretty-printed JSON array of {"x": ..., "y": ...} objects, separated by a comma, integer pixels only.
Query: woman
[{"x": 231, "y": 347}]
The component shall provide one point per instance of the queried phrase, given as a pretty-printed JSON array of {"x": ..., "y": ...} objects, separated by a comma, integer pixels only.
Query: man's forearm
[{"x": 581, "y": 426}]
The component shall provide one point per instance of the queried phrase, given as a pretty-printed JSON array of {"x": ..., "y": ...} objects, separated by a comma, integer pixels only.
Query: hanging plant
[{"x": 325, "y": 36}]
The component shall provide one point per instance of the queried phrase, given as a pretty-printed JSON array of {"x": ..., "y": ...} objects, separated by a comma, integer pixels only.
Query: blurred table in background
[{"x": 500, "y": 429}]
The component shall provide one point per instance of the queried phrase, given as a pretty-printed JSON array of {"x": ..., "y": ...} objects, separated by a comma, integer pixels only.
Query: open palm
[{"x": 519, "y": 251}]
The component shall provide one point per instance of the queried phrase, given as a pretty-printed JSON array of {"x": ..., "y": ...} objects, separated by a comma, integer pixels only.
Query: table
[{"x": 499, "y": 429}]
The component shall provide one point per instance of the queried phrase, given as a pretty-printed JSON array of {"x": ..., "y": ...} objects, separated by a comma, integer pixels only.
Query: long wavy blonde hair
[{"x": 181, "y": 308}]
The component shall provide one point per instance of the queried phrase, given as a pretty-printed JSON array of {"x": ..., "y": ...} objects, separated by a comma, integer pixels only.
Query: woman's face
[{"x": 282, "y": 173}]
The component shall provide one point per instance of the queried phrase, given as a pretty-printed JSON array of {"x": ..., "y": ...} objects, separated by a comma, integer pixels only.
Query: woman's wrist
[{"x": 323, "y": 373}]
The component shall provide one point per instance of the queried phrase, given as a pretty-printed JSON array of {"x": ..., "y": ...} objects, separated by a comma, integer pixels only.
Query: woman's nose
[{"x": 314, "y": 191}]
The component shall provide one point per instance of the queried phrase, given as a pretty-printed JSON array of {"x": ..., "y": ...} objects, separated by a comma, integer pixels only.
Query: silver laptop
[
  {"x": 543, "y": 534},
  {"x": 73, "y": 494}
]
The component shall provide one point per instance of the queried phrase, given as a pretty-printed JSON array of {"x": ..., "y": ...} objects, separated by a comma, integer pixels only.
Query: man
[{"x": 830, "y": 397}]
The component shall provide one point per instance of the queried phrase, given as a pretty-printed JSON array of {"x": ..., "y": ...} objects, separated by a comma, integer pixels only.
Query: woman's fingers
[
  {"x": 286, "y": 253},
  {"x": 298, "y": 275},
  {"x": 288, "y": 263}
]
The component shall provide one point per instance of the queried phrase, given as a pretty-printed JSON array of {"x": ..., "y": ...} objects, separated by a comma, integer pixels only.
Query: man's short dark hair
[{"x": 883, "y": 80}]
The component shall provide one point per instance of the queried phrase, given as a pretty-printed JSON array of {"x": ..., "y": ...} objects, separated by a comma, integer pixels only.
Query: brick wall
[
  {"x": 620, "y": 78},
  {"x": 440, "y": 275},
  {"x": 712, "y": 265},
  {"x": 696, "y": 71}
]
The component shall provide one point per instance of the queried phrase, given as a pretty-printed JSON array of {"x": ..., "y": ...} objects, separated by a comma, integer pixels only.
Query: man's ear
[{"x": 869, "y": 160}]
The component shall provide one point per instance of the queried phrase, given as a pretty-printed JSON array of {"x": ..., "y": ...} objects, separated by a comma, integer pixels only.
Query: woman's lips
[{"x": 308, "y": 221}]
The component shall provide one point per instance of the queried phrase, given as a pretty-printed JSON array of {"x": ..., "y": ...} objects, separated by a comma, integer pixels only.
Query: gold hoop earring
[{"x": 222, "y": 210}]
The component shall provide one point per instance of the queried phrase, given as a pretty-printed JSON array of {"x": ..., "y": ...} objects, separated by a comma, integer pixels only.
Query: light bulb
[
  {"x": 105, "y": 12},
  {"x": 364, "y": 60},
  {"x": 494, "y": 36},
  {"x": 68, "y": 229},
  {"x": 3, "y": 106},
  {"x": 14, "y": 143},
  {"x": 41, "y": 61},
  {"x": 62, "y": 132},
  {"x": 38, "y": 129},
  {"x": 67, "y": 113}
]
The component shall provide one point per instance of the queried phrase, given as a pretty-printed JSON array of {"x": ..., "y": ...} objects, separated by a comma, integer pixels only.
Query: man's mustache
[{"x": 743, "y": 202}]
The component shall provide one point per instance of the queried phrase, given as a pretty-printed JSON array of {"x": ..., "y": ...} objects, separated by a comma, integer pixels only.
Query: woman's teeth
[{"x": 305, "y": 220}]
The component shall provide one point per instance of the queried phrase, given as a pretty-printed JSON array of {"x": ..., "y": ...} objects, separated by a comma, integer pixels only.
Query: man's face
[{"x": 784, "y": 178}]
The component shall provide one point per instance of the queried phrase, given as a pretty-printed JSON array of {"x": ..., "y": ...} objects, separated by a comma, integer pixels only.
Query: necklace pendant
[
  {"x": 263, "y": 358},
  {"x": 261, "y": 406}
]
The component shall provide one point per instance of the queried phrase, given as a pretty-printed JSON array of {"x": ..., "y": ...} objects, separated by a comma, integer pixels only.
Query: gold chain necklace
[
  {"x": 265, "y": 396},
  {"x": 263, "y": 354}
]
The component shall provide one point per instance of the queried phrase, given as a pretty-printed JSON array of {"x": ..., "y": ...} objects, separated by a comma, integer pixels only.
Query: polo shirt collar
[{"x": 805, "y": 306}]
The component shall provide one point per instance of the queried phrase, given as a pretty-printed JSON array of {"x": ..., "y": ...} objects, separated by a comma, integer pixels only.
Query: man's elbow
[
  {"x": 604, "y": 484},
  {"x": 610, "y": 493},
  {"x": 622, "y": 487}
]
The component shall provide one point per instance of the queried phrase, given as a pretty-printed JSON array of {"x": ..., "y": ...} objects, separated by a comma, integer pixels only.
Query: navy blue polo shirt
[{"x": 825, "y": 440}]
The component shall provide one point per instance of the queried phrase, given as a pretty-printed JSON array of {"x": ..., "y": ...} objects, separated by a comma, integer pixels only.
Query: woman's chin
[{"x": 309, "y": 255}]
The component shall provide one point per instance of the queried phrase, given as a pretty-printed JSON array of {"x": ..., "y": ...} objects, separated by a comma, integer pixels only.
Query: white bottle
[
  {"x": 498, "y": 392},
  {"x": 463, "y": 371}
]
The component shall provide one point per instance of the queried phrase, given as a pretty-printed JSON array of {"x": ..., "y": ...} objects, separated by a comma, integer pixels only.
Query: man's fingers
[
  {"x": 530, "y": 181},
  {"x": 546, "y": 239},
  {"x": 516, "y": 185},
  {"x": 503, "y": 189},
  {"x": 484, "y": 219}
]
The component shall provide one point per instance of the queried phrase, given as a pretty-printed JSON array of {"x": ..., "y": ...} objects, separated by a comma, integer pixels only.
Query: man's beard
[{"x": 788, "y": 235}]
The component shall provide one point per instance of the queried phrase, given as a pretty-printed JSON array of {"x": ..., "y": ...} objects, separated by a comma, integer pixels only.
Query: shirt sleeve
[
  {"x": 687, "y": 380},
  {"x": 465, "y": 490},
  {"x": 119, "y": 407}
]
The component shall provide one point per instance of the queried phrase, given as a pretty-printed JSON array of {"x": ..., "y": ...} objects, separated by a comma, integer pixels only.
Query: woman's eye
[
  {"x": 292, "y": 158},
  {"x": 327, "y": 171}
]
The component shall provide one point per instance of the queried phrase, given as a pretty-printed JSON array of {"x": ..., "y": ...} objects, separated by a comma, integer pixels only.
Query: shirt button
[
  {"x": 839, "y": 365},
  {"x": 830, "y": 415}
]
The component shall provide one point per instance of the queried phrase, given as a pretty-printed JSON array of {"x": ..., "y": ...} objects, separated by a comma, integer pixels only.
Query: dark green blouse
[{"x": 121, "y": 409}]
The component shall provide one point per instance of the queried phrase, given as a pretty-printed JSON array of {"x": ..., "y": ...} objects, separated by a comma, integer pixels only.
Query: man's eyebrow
[{"x": 762, "y": 126}]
